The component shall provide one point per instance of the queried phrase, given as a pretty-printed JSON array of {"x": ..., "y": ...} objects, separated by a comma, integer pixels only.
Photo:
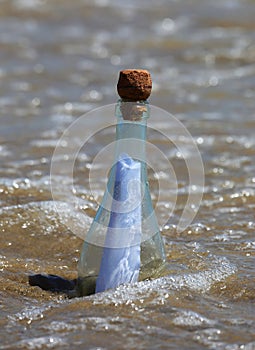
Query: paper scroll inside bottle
[{"x": 121, "y": 254}]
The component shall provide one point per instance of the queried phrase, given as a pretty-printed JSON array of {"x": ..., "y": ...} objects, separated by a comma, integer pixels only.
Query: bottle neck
[{"x": 131, "y": 129}]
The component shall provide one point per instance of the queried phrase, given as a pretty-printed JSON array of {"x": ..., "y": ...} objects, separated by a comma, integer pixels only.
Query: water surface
[{"x": 60, "y": 60}]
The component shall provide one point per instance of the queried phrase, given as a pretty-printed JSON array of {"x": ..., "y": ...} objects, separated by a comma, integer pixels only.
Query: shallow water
[{"x": 60, "y": 60}]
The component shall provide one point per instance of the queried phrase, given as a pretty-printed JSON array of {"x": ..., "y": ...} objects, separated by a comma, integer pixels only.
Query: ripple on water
[
  {"x": 47, "y": 342},
  {"x": 215, "y": 269},
  {"x": 45, "y": 217},
  {"x": 191, "y": 320}
]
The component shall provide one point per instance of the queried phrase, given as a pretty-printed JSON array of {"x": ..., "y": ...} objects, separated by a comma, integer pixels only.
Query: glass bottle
[{"x": 125, "y": 223}]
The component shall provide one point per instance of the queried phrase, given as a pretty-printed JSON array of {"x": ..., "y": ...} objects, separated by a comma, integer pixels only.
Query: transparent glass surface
[{"x": 127, "y": 219}]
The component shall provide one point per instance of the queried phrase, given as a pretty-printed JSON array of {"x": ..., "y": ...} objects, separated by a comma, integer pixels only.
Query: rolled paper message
[{"x": 120, "y": 262}]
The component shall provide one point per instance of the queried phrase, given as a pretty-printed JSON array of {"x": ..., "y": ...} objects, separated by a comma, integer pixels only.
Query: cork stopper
[{"x": 134, "y": 84}]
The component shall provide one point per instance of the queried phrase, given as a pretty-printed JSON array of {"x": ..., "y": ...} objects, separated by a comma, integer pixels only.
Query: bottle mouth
[{"x": 132, "y": 111}]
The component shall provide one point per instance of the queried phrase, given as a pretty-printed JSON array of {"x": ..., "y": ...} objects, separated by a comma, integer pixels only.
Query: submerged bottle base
[
  {"x": 155, "y": 269},
  {"x": 153, "y": 265},
  {"x": 86, "y": 286}
]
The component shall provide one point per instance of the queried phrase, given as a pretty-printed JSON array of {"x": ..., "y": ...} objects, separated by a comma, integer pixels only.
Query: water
[{"x": 60, "y": 60}]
